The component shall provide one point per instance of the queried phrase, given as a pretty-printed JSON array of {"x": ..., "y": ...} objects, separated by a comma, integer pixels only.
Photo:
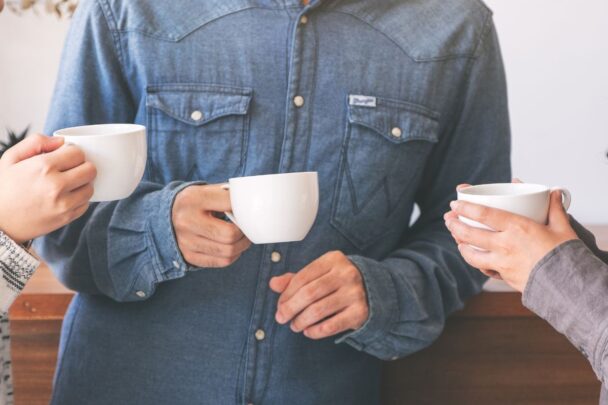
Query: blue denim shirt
[{"x": 403, "y": 100}]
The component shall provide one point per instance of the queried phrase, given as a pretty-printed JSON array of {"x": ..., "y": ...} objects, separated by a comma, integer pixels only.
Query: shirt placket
[{"x": 296, "y": 140}]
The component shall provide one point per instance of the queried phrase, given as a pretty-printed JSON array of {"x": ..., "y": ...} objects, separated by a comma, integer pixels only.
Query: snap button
[
  {"x": 303, "y": 20},
  {"x": 260, "y": 335},
  {"x": 275, "y": 257},
  {"x": 196, "y": 115},
  {"x": 140, "y": 294},
  {"x": 298, "y": 101},
  {"x": 396, "y": 132}
]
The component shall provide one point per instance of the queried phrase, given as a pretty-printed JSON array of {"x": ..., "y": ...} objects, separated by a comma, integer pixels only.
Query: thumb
[
  {"x": 557, "y": 214},
  {"x": 280, "y": 283},
  {"x": 32, "y": 146}
]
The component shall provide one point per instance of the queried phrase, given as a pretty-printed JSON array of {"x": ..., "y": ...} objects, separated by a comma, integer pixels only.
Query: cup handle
[
  {"x": 566, "y": 196},
  {"x": 229, "y": 214}
]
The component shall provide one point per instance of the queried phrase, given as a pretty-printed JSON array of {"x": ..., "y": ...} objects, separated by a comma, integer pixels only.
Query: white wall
[
  {"x": 556, "y": 52},
  {"x": 30, "y": 48}
]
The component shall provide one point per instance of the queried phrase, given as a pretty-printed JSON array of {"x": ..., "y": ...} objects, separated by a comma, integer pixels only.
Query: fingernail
[
  {"x": 454, "y": 205},
  {"x": 449, "y": 223},
  {"x": 306, "y": 333},
  {"x": 293, "y": 328},
  {"x": 279, "y": 317}
]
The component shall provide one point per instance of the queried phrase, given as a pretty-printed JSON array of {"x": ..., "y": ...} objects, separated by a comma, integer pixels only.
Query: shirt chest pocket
[
  {"x": 197, "y": 132},
  {"x": 384, "y": 152}
]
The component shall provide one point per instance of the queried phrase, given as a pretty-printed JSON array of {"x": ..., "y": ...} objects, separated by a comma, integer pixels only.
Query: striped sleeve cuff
[{"x": 16, "y": 268}]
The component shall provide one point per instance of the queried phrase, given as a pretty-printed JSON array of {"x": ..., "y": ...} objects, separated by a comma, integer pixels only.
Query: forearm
[
  {"x": 121, "y": 249},
  {"x": 16, "y": 267},
  {"x": 411, "y": 293},
  {"x": 568, "y": 288}
]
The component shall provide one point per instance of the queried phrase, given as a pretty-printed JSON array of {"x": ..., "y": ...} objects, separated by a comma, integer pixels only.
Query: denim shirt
[{"x": 400, "y": 102}]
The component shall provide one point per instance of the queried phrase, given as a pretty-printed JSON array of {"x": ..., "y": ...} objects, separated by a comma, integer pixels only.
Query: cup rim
[
  {"x": 80, "y": 131},
  {"x": 539, "y": 189},
  {"x": 295, "y": 174}
]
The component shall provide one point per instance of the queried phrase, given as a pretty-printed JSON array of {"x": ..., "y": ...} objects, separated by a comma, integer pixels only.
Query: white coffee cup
[
  {"x": 119, "y": 153},
  {"x": 274, "y": 208},
  {"x": 528, "y": 200}
]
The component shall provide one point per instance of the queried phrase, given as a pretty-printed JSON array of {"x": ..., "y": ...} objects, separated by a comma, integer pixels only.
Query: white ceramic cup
[
  {"x": 274, "y": 208},
  {"x": 528, "y": 200},
  {"x": 119, "y": 153}
]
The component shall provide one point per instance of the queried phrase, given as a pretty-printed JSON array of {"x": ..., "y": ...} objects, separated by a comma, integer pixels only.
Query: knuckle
[
  {"x": 287, "y": 309},
  {"x": 327, "y": 328},
  {"x": 91, "y": 170},
  {"x": 233, "y": 234},
  {"x": 308, "y": 294}
]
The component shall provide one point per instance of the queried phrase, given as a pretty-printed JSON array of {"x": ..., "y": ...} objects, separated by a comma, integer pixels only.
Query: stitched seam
[
  {"x": 417, "y": 60},
  {"x": 189, "y": 31},
  {"x": 108, "y": 15}
]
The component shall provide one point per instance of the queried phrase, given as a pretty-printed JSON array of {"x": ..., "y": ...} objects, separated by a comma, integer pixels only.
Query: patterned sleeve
[{"x": 16, "y": 268}]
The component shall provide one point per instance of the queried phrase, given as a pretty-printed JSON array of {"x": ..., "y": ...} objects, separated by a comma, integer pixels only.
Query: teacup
[
  {"x": 274, "y": 208},
  {"x": 119, "y": 153},
  {"x": 528, "y": 200}
]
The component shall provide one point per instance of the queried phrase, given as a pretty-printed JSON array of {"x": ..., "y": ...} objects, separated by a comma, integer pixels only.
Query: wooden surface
[{"x": 493, "y": 352}]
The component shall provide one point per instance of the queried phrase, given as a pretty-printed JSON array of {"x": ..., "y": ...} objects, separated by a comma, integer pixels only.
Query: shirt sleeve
[
  {"x": 17, "y": 267},
  {"x": 411, "y": 292},
  {"x": 588, "y": 239},
  {"x": 121, "y": 249},
  {"x": 568, "y": 288}
]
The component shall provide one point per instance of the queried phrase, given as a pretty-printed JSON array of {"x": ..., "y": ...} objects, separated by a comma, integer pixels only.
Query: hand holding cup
[{"x": 204, "y": 239}]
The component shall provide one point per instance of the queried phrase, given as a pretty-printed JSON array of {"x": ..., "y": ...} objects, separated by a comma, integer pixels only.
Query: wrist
[{"x": 13, "y": 237}]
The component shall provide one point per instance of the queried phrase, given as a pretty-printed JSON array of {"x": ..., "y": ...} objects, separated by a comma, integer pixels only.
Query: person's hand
[
  {"x": 323, "y": 299},
  {"x": 204, "y": 239},
  {"x": 43, "y": 186},
  {"x": 516, "y": 245}
]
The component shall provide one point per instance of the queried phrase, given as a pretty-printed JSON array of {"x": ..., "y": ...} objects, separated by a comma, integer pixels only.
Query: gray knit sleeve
[{"x": 16, "y": 268}]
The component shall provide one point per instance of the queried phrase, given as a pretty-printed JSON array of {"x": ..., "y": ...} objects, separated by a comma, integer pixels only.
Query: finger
[
  {"x": 306, "y": 296},
  {"x": 206, "y": 261},
  {"x": 214, "y": 198},
  {"x": 516, "y": 180},
  {"x": 472, "y": 236},
  {"x": 32, "y": 146},
  {"x": 476, "y": 258},
  {"x": 338, "y": 323},
  {"x": 79, "y": 211},
  {"x": 557, "y": 214},
  {"x": 210, "y": 247},
  {"x": 65, "y": 158},
  {"x": 492, "y": 274},
  {"x": 450, "y": 215},
  {"x": 492, "y": 217},
  {"x": 209, "y": 227},
  {"x": 78, "y": 197},
  {"x": 462, "y": 186},
  {"x": 311, "y": 272},
  {"x": 279, "y": 283},
  {"x": 79, "y": 176},
  {"x": 318, "y": 311}
]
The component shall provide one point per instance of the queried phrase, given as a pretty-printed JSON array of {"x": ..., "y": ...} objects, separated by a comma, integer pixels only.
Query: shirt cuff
[
  {"x": 17, "y": 267},
  {"x": 167, "y": 259},
  {"x": 382, "y": 303}
]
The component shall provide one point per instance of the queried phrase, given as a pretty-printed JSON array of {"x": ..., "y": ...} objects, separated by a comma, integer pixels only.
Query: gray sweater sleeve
[
  {"x": 569, "y": 289},
  {"x": 16, "y": 268}
]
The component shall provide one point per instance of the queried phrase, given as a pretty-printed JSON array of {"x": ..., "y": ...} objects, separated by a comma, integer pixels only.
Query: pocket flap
[
  {"x": 397, "y": 121},
  {"x": 197, "y": 104}
]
